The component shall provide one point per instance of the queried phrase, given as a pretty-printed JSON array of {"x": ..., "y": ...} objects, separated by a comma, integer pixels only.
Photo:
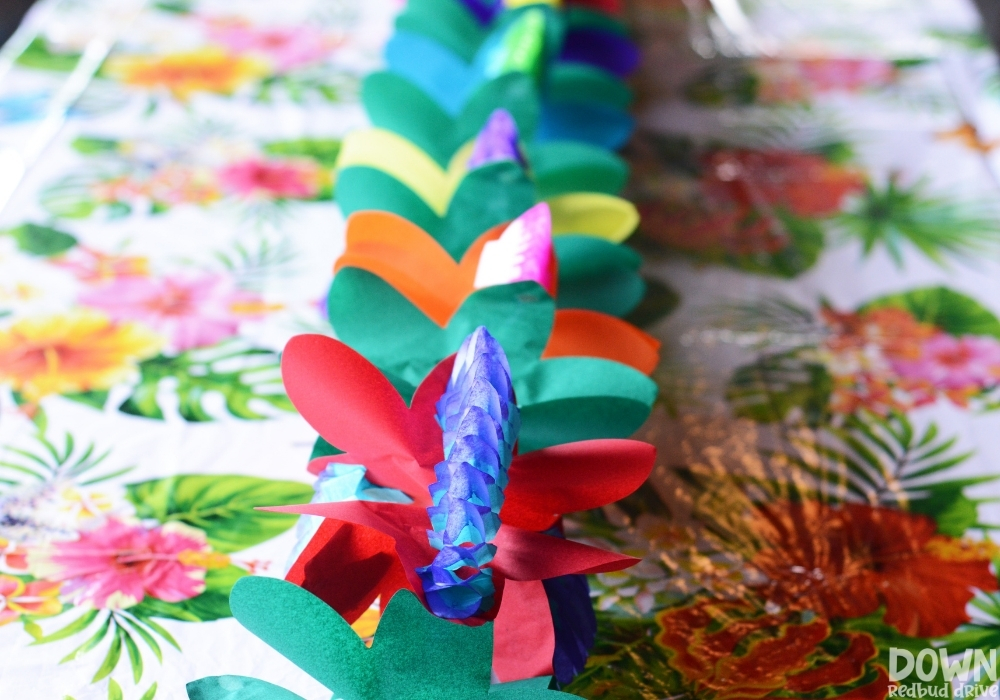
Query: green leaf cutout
[{"x": 414, "y": 654}]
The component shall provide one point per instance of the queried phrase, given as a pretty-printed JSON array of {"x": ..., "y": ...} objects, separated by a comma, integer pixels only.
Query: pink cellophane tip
[{"x": 522, "y": 253}]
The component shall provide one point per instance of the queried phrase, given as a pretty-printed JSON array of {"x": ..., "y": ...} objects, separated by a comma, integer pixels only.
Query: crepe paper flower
[
  {"x": 870, "y": 557},
  {"x": 413, "y": 654},
  {"x": 779, "y": 651},
  {"x": 353, "y": 406},
  {"x": 285, "y": 48},
  {"x": 480, "y": 423},
  {"x": 208, "y": 69},
  {"x": 954, "y": 364},
  {"x": 191, "y": 312},
  {"x": 382, "y": 291},
  {"x": 118, "y": 564},
  {"x": 37, "y": 598},
  {"x": 496, "y": 142},
  {"x": 522, "y": 253},
  {"x": 82, "y": 351},
  {"x": 274, "y": 179}
]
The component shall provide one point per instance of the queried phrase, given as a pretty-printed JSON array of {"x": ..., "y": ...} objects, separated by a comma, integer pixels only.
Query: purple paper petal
[
  {"x": 598, "y": 47},
  {"x": 496, "y": 142}
]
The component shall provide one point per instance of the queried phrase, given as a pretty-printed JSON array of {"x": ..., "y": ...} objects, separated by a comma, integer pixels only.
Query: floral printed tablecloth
[{"x": 824, "y": 212}]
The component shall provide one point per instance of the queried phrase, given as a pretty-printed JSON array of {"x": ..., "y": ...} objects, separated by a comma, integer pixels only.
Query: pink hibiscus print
[
  {"x": 285, "y": 47},
  {"x": 188, "y": 312},
  {"x": 273, "y": 179},
  {"x": 118, "y": 564},
  {"x": 954, "y": 364}
]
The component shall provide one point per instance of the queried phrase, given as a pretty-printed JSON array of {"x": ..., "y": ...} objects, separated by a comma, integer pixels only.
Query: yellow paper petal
[
  {"x": 593, "y": 214},
  {"x": 524, "y": 3},
  {"x": 408, "y": 163}
]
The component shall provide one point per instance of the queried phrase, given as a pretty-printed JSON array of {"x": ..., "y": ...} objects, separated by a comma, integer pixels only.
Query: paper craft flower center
[{"x": 480, "y": 423}]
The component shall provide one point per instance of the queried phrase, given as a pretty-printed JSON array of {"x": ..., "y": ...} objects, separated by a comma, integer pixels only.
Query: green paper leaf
[
  {"x": 487, "y": 196},
  {"x": 447, "y": 22},
  {"x": 321, "y": 448},
  {"x": 598, "y": 275},
  {"x": 44, "y": 241},
  {"x": 237, "y": 688},
  {"x": 574, "y": 82},
  {"x": 561, "y": 167},
  {"x": 221, "y": 506},
  {"x": 394, "y": 103},
  {"x": 952, "y": 312},
  {"x": 561, "y": 399},
  {"x": 658, "y": 302},
  {"x": 318, "y": 640}
]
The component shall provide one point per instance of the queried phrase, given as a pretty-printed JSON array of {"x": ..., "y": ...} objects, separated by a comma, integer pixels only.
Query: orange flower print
[
  {"x": 732, "y": 650},
  {"x": 208, "y": 69},
  {"x": 82, "y": 351},
  {"x": 19, "y": 598},
  {"x": 847, "y": 561}
]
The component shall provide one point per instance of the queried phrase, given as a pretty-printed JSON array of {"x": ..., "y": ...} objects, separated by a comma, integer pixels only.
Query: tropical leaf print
[
  {"x": 895, "y": 217},
  {"x": 247, "y": 380}
]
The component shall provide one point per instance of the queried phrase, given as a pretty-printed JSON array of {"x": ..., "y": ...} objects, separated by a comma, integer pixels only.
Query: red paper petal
[
  {"x": 355, "y": 408},
  {"x": 524, "y": 639},
  {"x": 531, "y": 556},
  {"x": 577, "y": 476},
  {"x": 369, "y": 556},
  {"x": 405, "y": 525}
]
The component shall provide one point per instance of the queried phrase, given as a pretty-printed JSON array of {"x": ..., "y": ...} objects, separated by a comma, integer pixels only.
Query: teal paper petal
[
  {"x": 598, "y": 275},
  {"x": 237, "y": 688}
]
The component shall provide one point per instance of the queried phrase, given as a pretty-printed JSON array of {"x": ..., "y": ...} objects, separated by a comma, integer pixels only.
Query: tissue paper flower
[
  {"x": 413, "y": 654},
  {"x": 353, "y": 406},
  {"x": 480, "y": 423},
  {"x": 83, "y": 351},
  {"x": 522, "y": 253},
  {"x": 189, "y": 312},
  {"x": 118, "y": 564}
]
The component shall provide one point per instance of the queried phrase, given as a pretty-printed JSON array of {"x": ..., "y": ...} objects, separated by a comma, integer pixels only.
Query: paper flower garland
[
  {"x": 351, "y": 404},
  {"x": 482, "y": 198},
  {"x": 414, "y": 655}
]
